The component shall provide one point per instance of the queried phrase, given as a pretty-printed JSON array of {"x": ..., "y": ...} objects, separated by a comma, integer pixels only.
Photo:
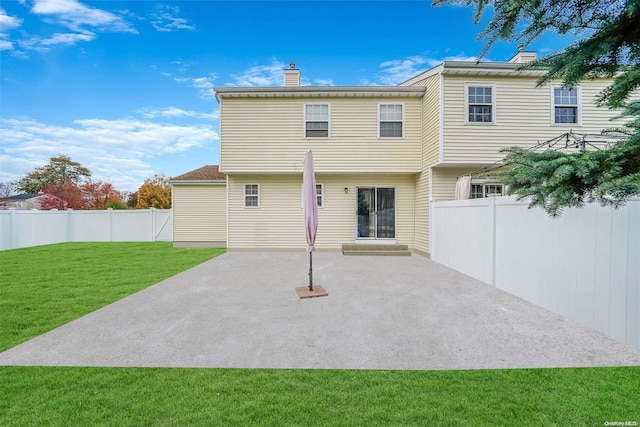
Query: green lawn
[{"x": 43, "y": 287}]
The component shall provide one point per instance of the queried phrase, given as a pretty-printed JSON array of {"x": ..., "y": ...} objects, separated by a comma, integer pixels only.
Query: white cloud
[
  {"x": 260, "y": 75},
  {"x": 7, "y": 23},
  {"x": 174, "y": 112},
  {"x": 68, "y": 38},
  {"x": 324, "y": 82},
  {"x": 164, "y": 18},
  {"x": 203, "y": 84},
  {"x": 5, "y": 45},
  {"x": 396, "y": 71},
  {"x": 75, "y": 16},
  {"x": 116, "y": 150}
]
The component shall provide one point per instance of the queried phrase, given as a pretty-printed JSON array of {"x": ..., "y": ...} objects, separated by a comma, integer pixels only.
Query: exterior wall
[
  {"x": 443, "y": 185},
  {"x": 266, "y": 135},
  {"x": 431, "y": 107},
  {"x": 278, "y": 223},
  {"x": 421, "y": 223},
  {"x": 199, "y": 215},
  {"x": 523, "y": 118}
]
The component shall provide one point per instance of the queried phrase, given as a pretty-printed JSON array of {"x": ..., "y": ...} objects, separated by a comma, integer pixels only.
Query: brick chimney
[
  {"x": 292, "y": 75},
  {"x": 523, "y": 56}
]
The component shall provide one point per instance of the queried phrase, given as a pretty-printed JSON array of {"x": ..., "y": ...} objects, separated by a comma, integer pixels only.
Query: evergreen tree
[{"x": 607, "y": 45}]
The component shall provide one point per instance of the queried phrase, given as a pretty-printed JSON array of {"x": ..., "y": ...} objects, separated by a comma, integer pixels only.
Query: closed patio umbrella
[{"x": 310, "y": 209}]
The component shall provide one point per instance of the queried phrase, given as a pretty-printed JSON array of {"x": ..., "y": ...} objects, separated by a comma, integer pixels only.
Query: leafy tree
[
  {"x": 67, "y": 195},
  {"x": 58, "y": 172},
  {"x": 132, "y": 199},
  {"x": 607, "y": 45},
  {"x": 154, "y": 193},
  {"x": 99, "y": 195},
  {"x": 117, "y": 205},
  {"x": 6, "y": 190}
]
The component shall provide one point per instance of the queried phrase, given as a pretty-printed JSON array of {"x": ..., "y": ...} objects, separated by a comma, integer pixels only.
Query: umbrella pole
[{"x": 311, "y": 271}]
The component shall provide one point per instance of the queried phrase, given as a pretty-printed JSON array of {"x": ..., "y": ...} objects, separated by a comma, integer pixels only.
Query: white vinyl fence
[
  {"x": 584, "y": 265},
  {"x": 22, "y": 228}
]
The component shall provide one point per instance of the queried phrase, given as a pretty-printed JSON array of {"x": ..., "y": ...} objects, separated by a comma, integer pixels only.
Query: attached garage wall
[
  {"x": 199, "y": 215},
  {"x": 279, "y": 224}
]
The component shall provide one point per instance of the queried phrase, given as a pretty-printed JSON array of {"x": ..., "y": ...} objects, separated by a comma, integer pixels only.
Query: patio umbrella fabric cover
[{"x": 309, "y": 201}]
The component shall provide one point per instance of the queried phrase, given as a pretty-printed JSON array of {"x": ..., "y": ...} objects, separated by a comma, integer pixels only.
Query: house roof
[
  {"x": 207, "y": 173},
  {"x": 319, "y": 91},
  {"x": 23, "y": 196}
]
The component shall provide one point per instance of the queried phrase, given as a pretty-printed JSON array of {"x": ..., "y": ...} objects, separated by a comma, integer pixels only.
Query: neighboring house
[
  {"x": 381, "y": 153},
  {"x": 24, "y": 201},
  {"x": 199, "y": 208}
]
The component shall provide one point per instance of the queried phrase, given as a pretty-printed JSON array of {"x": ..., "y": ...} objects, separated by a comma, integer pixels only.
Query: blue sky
[{"x": 125, "y": 88}]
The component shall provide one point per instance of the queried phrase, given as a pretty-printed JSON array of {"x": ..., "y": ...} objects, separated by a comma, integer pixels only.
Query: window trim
[
  {"x": 245, "y": 195},
  {"x": 304, "y": 124},
  {"x": 578, "y": 105},
  {"x": 380, "y": 104},
  {"x": 493, "y": 104}
]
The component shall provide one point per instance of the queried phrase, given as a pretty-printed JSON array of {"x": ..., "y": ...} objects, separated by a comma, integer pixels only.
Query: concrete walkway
[{"x": 241, "y": 310}]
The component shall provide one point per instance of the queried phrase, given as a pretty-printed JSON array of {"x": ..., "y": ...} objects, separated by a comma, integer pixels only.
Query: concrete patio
[{"x": 241, "y": 310}]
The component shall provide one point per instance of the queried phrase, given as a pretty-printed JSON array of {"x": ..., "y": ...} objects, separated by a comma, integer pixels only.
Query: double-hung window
[
  {"x": 391, "y": 121},
  {"x": 319, "y": 195},
  {"x": 316, "y": 120},
  {"x": 565, "y": 105},
  {"x": 252, "y": 195},
  {"x": 480, "y": 103}
]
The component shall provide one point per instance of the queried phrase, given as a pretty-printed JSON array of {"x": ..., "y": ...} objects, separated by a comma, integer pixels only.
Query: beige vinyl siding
[
  {"x": 279, "y": 223},
  {"x": 523, "y": 118},
  {"x": 199, "y": 213},
  {"x": 266, "y": 135},
  {"x": 421, "y": 221},
  {"x": 431, "y": 121},
  {"x": 443, "y": 185}
]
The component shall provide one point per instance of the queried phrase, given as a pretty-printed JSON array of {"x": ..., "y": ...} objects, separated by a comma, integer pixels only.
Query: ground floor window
[
  {"x": 251, "y": 195},
  {"x": 480, "y": 190}
]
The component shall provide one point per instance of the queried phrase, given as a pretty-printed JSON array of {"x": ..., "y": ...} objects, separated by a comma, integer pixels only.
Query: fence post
[
  {"x": 492, "y": 227},
  {"x": 110, "y": 210},
  {"x": 153, "y": 224},
  {"x": 11, "y": 225}
]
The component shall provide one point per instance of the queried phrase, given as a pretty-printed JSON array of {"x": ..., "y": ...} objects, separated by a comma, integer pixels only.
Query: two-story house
[{"x": 381, "y": 153}]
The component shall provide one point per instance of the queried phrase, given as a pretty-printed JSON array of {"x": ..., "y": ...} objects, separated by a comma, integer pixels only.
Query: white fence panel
[
  {"x": 461, "y": 239},
  {"x": 584, "y": 265},
  {"x": 20, "y": 228}
]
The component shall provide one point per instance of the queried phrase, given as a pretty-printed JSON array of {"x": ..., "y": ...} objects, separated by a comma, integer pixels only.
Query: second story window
[
  {"x": 480, "y": 104},
  {"x": 316, "y": 120},
  {"x": 565, "y": 105},
  {"x": 391, "y": 121}
]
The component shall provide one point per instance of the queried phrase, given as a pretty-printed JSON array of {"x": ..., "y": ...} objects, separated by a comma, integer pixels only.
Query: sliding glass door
[{"x": 376, "y": 213}]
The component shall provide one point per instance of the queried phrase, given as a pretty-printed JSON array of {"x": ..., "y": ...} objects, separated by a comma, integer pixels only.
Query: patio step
[{"x": 375, "y": 249}]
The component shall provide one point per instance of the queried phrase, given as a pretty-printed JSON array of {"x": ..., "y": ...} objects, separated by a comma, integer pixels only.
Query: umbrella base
[{"x": 304, "y": 292}]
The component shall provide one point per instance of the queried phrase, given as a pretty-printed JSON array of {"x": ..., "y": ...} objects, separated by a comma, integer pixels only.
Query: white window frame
[
  {"x": 402, "y": 120},
  {"x": 304, "y": 128},
  {"x": 485, "y": 184},
  {"x": 245, "y": 195},
  {"x": 467, "y": 104},
  {"x": 578, "y": 106},
  {"x": 319, "y": 195}
]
